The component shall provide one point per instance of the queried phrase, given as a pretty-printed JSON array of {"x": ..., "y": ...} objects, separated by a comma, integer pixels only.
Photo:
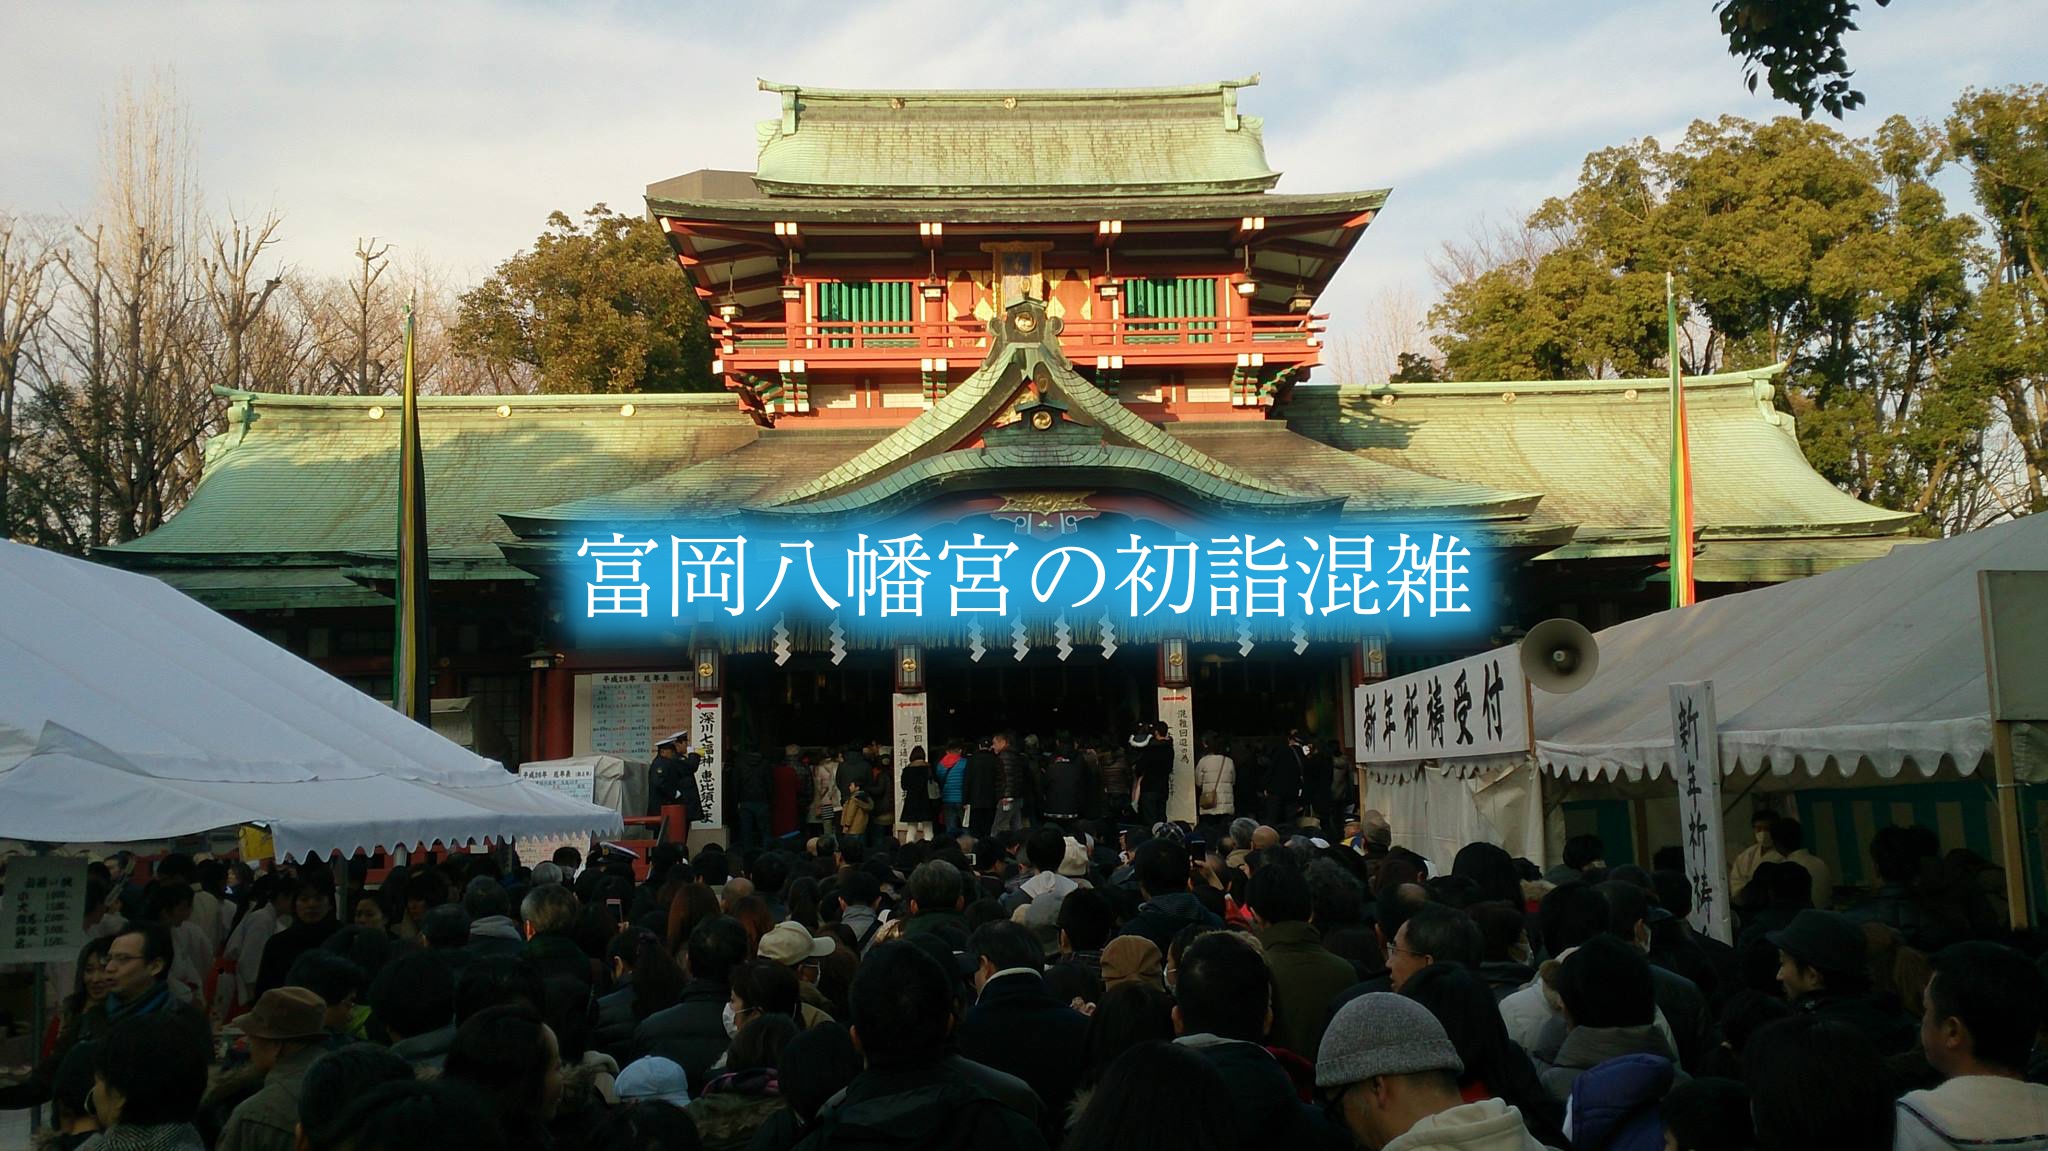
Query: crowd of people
[
  {"x": 1002, "y": 782},
  {"x": 1044, "y": 978}
]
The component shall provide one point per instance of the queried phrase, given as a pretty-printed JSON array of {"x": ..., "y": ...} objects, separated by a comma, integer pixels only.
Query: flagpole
[
  {"x": 1682, "y": 591},
  {"x": 409, "y": 672}
]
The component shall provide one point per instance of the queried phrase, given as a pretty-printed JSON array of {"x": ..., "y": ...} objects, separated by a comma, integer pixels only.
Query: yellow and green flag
[
  {"x": 1681, "y": 467},
  {"x": 410, "y": 658}
]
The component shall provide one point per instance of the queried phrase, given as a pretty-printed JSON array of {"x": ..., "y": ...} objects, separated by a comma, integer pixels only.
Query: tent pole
[{"x": 2014, "y": 846}]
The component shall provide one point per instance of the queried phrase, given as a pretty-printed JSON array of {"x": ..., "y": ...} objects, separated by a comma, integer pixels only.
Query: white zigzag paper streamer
[
  {"x": 1021, "y": 644},
  {"x": 1300, "y": 639},
  {"x": 1064, "y": 637},
  {"x": 781, "y": 640},
  {"x": 975, "y": 648},
  {"x": 1108, "y": 638},
  {"x": 838, "y": 635},
  {"x": 1244, "y": 639}
]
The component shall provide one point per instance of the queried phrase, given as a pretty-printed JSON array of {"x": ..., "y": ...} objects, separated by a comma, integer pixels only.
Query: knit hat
[
  {"x": 1074, "y": 864},
  {"x": 653, "y": 1077},
  {"x": 1383, "y": 1034},
  {"x": 1132, "y": 959}
]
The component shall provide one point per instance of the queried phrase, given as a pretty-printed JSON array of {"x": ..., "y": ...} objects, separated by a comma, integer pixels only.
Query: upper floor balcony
[{"x": 1157, "y": 342}]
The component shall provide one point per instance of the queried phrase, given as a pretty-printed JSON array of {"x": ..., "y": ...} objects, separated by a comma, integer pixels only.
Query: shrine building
[{"x": 1025, "y": 311}]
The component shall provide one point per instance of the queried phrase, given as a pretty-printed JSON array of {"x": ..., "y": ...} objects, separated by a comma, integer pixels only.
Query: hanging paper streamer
[
  {"x": 1300, "y": 639},
  {"x": 838, "y": 635},
  {"x": 1244, "y": 639},
  {"x": 1021, "y": 644},
  {"x": 781, "y": 640},
  {"x": 1064, "y": 638},
  {"x": 1108, "y": 638},
  {"x": 975, "y": 648}
]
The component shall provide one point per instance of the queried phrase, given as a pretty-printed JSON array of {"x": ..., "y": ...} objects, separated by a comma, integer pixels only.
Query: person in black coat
[
  {"x": 1282, "y": 784},
  {"x": 1152, "y": 763},
  {"x": 920, "y": 805},
  {"x": 313, "y": 921},
  {"x": 1015, "y": 1026},
  {"x": 693, "y": 1031},
  {"x": 982, "y": 785}
]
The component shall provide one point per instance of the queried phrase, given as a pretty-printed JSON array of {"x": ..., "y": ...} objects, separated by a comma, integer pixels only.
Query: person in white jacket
[
  {"x": 1392, "y": 1072},
  {"x": 1984, "y": 1009}
]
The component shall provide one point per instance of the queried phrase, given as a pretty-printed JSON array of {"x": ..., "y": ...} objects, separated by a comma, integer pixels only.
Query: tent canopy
[
  {"x": 1881, "y": 664},
  {"x": 132, "y": 713}
]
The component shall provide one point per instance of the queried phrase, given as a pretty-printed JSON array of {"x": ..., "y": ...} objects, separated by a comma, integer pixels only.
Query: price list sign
[{"x": 42, "y": 913}]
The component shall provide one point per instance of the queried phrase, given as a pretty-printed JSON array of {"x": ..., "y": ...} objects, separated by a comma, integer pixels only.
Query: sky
[{"x": 451, "y": 129}]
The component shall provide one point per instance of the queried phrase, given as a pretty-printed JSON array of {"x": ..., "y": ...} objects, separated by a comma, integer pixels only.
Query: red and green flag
[
  {"x": 1681, "y": 467},
  {"x": 410, "y": 658}
]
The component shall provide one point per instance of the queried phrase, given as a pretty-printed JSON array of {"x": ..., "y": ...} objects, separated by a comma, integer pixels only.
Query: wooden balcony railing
[{"x": 749, "y": 343}]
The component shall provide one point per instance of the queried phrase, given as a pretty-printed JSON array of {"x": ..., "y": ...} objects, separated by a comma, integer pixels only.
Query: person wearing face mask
[{"x": 1760, "y": 850}]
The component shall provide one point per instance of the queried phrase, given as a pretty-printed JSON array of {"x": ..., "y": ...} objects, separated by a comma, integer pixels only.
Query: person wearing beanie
[
  {"x": 1392, "y": 1074},
  {"x": 1610, "y": 1007}
]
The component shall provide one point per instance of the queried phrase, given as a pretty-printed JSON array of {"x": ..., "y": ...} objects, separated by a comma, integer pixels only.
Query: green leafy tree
[
  {"x": 1797, "y": 46},
  {"x": 2002, "y": 138},
  {"x": 1789, "y": 242},
  {"x": 595, "y": 307}
]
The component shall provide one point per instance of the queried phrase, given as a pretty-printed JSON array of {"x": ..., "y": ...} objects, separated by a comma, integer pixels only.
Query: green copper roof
[
  {"x": 318, "y": 474},
  {"x": 1010, "y": 143},
  {"x": 1598, "y": 449}
]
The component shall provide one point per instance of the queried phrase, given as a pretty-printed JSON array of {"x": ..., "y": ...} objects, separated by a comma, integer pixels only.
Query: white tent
[
  {"x": 131, "y": 714},
  {"x": 1877, "y": 666}
]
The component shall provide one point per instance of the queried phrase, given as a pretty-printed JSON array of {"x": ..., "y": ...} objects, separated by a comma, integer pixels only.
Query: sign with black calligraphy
[
  {"x": 1472, "y": 707},
  {"x": 1696, "y": 762},
  {"x": 42, "y": 913},
  {"x": 708, "y": 740},
  {"x": 907, "y": 713}
]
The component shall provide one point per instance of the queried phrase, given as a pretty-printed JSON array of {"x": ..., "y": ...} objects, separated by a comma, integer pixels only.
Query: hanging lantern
[
  {"x": 909, "y": 669},
  {"x": 708, "y": 671},
  {"x": 1173, "y": 662}
]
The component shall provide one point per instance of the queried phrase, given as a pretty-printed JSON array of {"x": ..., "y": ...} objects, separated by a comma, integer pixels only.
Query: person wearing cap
[
  {"x": 1985, "y": 1006},
  {"x": 1822, "y": 967},
  {"x": 665, "y": 779},
  {"x": 1392, "y": 1074},
  {"x": 789, "y": 944},
  {"x": 287, "y": 1031},
  {"x": 654, "y": 1079}
]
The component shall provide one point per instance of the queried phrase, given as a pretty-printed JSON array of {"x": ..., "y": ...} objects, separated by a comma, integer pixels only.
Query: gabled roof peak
[{"x": 1009, "y": 97}]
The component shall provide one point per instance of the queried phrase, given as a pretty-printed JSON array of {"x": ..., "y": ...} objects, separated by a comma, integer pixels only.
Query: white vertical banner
[
  {"x": 707, "y": 736},
  {"x": 1696, "y": 753},
  {"x": 1177, "y": 712},
  {"x": 907, "y": 722}
]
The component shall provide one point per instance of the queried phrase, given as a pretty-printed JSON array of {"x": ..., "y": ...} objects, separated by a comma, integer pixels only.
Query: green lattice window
[
  {"x": 1178, "y": 297},
  {"x": 868, "y": 302}
]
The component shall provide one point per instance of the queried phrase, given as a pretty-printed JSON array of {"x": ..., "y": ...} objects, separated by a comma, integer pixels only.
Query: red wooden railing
[{"x": 825, "y": 340}]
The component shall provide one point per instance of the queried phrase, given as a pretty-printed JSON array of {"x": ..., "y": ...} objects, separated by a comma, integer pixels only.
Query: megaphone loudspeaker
[{"x": 1559, "y": 656}]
